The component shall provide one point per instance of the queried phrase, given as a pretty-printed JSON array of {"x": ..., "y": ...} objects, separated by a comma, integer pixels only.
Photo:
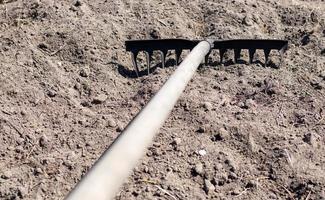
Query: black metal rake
[{"x": 178, "y": 45}]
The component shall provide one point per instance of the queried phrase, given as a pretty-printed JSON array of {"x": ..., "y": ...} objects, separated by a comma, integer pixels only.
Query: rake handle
[{"x": 106, "y": 176}]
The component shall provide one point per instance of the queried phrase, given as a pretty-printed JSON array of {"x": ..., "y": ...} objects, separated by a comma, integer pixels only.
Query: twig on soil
[
  {"x": 166, "y": 192},
  {"x": 57, "y": 51},
  {"x": 308, "y": 196},
  {"x": 30, "y": 152},
  {"x": 243, "y": 192},
  {"x": 289, "y": 158},
  {"x": 163, "y": 23}
]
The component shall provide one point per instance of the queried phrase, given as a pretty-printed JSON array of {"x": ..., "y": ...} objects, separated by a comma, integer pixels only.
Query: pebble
[
  {"x": 231, "y": 165},
  {"x": 201, "y": 129},
  {"x": 208, "y": 186},
  {"x": 207, "y": 106},
  {"x": 236, "y": 191},
  {"x": 322, "y": 74},
  {"x": 177, "y": 141},
  {"x": 38, "y": 171},
  {"x": 305, "y": 39},
  {"x": 119, "y": 128},
  {"x": 51, "y": 93},
  {"x": 249, "y": 103},
  {"x": 316, "y": 84},
  {"x": 247, "y": 21},
  {"x": 99, "y": 99},
  {"x": 202, "y": 152},
  {"x": 77, "y": 3},
  {"x": 232, "y": 176},
  {"x": 6, "y": 175},
  {"x": 198, "y": 169},
  {"x": 43, "y": 141},
  {"x": 310, "y": 139},
  {"x": 251, "y": 184},
  {"x": 84, "y": 72},
  {"x": 111, "y": 123},
  {"x": 223, "y": 133}
]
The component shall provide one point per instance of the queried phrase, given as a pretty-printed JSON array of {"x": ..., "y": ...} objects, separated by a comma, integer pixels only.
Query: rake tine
[
  {"x": 134, "y": 62},
  {"x": 163, "y": 54},
  {"x": 266, "y": 53},
  {"x": 222, "y": 53},
  {"x": 206, "y": 58},
  {"x": 251, "y": 53},
  {"x": 237, "y": 54},
  {"x": 148, "y": 56},
  {"x": 178, "y": 53}
]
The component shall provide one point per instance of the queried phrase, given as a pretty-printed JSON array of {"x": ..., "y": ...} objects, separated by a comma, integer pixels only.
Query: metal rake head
[{"x": 178, "y": 45}]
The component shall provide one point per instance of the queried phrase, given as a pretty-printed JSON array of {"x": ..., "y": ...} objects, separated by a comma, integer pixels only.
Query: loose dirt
[{"x": 239, "y": 131}]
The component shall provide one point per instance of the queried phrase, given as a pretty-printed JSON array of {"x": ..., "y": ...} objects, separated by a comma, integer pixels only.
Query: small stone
[
  {"x": 43, "y": 46},
  {"x": 77, "y": 3},
  {"x": 207, "y": 106},
  {"x": 198, "y": 169},
  {"x": 51, "y": 93},
  {"x": 314, "y": 17},
  {"x": 23, "y": 112},
  {"x": 38, "y": 171},
  {"x": 317, "y": 85},
  {"x": 43, "y": 141},
  {"x": 119, "y": 128},
  {"x": 146, "y": 169},
  {"x": 111, "y": 123},
  {"x": 177, "y": 141},
  {"x": 247, "y": 21},
  {"x": 208, "y": 186},
  {"x": 305, "y": 39},
  {"x": 322, "y": 74},
  {"x": 236, "y": 191},
  {"x": 201, "y": 129},
  {"x": 241, "y": 105},
  {"x": 202, "y": 152},
  {"x": 251, "y": 184},
  {"x": 222, "y": 134},
  {"x": 231, "y": 165},
  {"x": 232, "y": 176},
  {"x": 310, "y": 139},
  {"x": 99, "y": 99},
  {"x": 6, "y": 175},
  {"x": 84, "y": 72},
  {"x": 249, "y": 103}
]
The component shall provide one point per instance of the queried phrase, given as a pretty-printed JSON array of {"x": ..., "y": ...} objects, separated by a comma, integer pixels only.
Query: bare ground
[{"x": 67, "y": 90}]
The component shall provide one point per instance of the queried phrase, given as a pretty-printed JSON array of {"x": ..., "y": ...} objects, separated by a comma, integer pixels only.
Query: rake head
[{"x": 178, "y": 45}]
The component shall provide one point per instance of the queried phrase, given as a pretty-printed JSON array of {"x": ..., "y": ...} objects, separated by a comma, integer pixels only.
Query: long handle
[{"x": 104, "y": 179}]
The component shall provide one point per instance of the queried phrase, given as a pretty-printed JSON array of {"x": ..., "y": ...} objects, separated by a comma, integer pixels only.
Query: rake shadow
[{"x": 127, "y": 73}]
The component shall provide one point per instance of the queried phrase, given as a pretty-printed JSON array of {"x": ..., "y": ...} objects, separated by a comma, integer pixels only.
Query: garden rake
[{"x": 178, "y": 45}]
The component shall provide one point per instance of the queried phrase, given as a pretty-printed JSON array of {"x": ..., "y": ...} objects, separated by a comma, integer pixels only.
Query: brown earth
[{"x": 66, "y": 91}]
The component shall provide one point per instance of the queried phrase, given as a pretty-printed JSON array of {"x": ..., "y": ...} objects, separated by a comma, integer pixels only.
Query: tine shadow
[{"x": 127, "y": 73}]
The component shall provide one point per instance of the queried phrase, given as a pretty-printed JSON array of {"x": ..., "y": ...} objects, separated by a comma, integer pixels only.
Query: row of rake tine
[{"x": 178, "y": 45}]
